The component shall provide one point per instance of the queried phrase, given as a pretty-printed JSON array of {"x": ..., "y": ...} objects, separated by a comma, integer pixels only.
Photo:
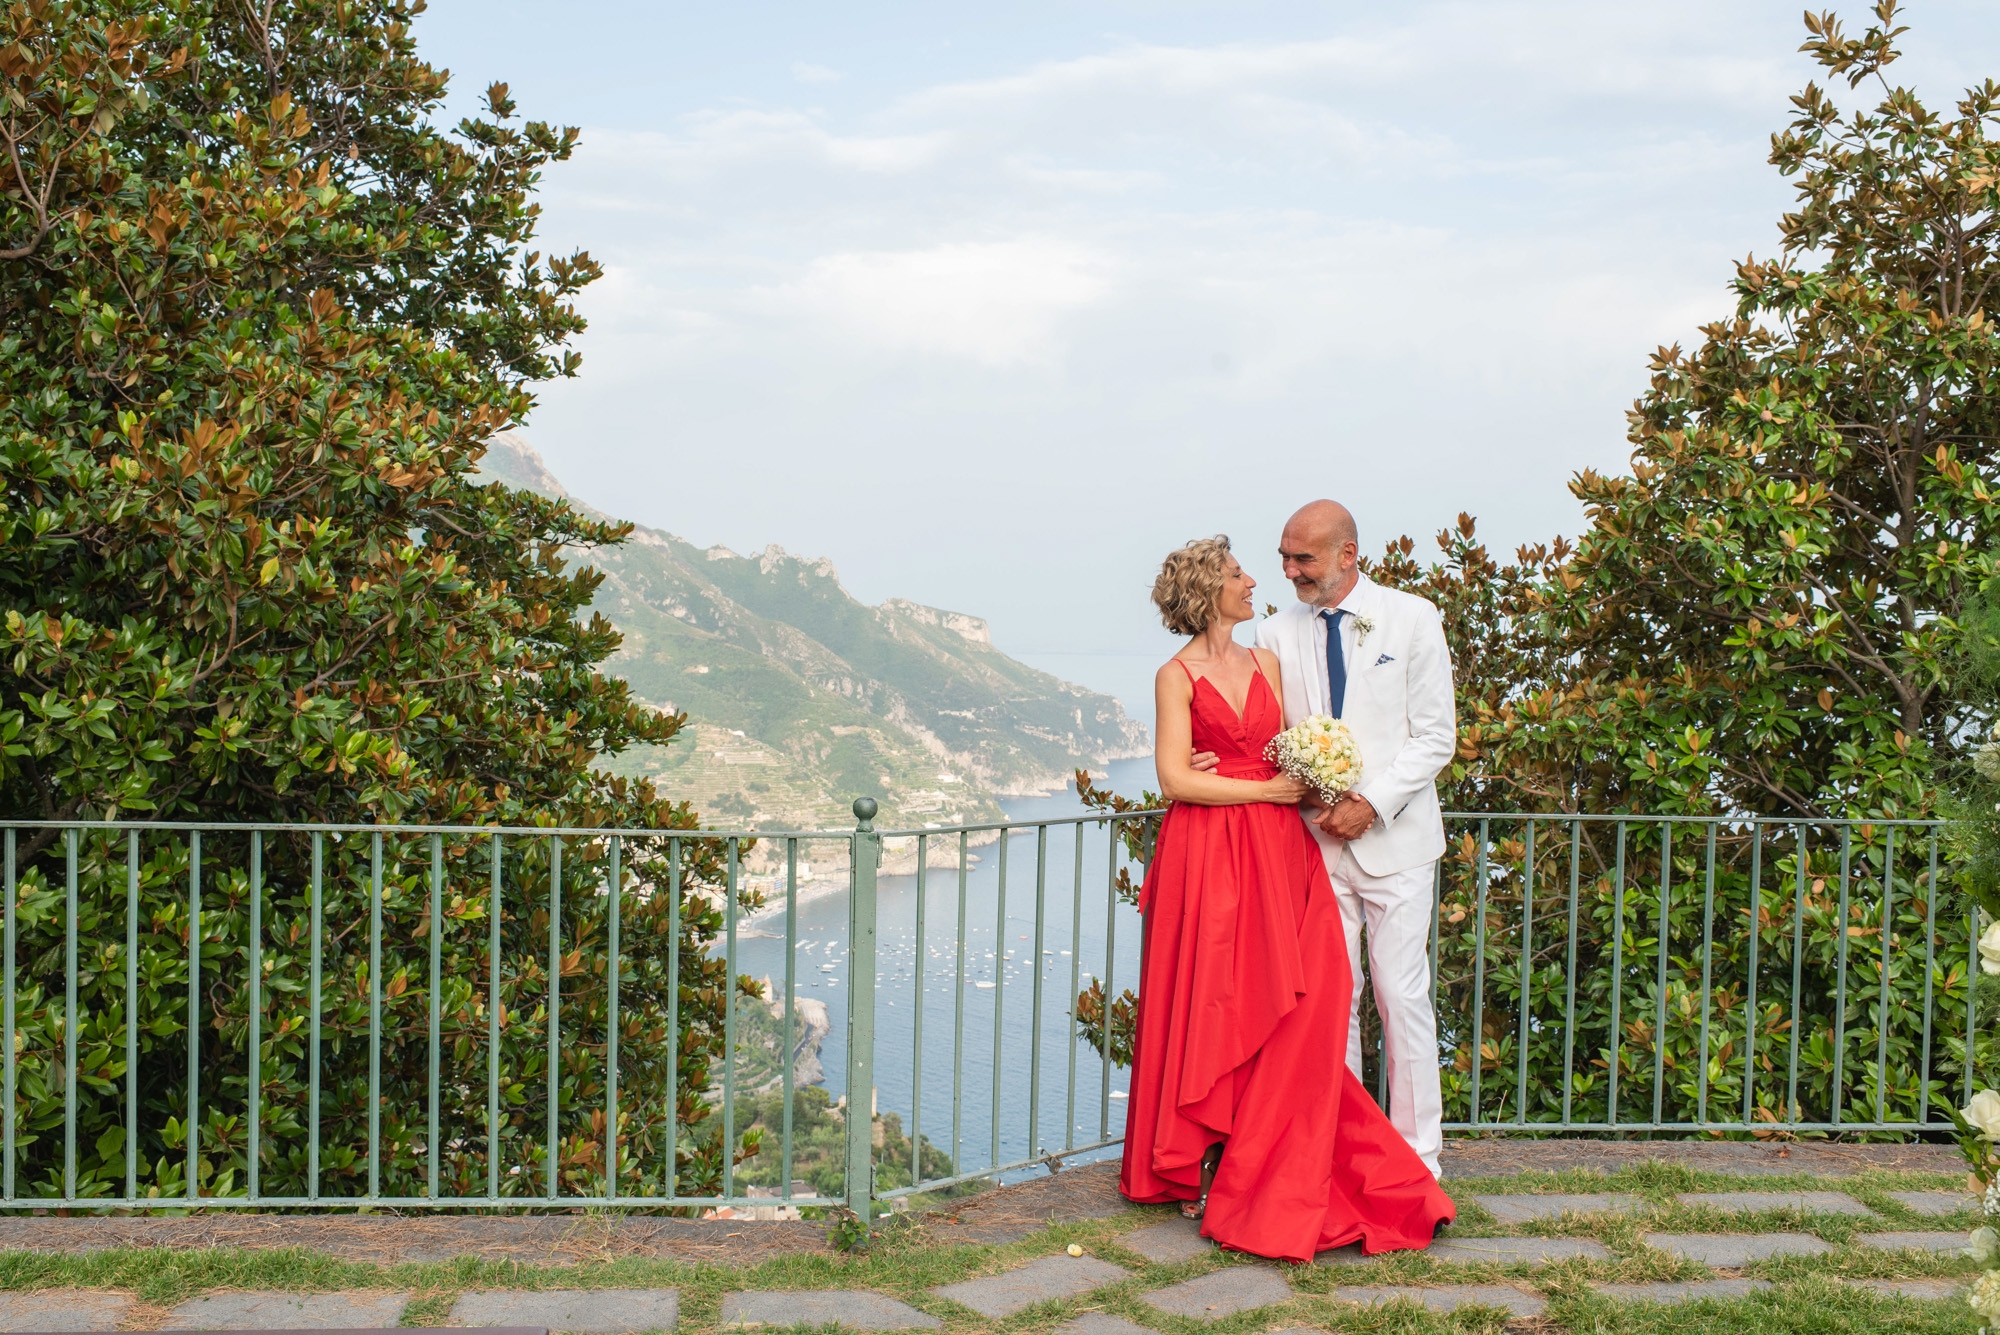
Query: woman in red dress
[{"x": 1242, "y": 1106}]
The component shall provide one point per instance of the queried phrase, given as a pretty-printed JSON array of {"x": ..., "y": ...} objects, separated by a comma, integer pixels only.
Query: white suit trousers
[{"x": 1396, "y": 910}]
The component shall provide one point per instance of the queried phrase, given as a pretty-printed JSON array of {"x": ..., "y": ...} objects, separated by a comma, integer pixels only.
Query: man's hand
[
  {"x": 1349, "y": 818},
  {"x": 1201, "y": 762}
]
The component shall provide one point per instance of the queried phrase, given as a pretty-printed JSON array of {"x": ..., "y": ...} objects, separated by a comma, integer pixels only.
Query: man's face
[{"x": 1318, "y": 570}]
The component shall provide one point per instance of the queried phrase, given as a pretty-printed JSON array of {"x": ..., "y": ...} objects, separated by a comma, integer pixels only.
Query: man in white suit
[{"x": 1376, "y": 658}]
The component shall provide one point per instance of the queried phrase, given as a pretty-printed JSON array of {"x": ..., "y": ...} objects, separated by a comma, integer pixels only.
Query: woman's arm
[{"x": 1173, "y": 744}]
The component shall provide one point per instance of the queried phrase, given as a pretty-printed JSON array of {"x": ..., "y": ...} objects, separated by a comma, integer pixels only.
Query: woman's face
[{"x": 1233, "y": 604}]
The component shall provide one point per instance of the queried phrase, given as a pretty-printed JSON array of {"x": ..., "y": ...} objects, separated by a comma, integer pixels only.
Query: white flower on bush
[
  {"x": 1985, "y": 1296},
  {"x": 1983, "y": 1114},
  {"x": 1991, "y": 1201},
  {"x": 1983, "y": 1245},
  {"x": 1986, "y": 762},
  {"x": 1989, "y": 949}
]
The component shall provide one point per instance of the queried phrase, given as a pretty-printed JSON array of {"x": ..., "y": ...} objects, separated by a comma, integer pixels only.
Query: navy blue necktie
[{"x": 1336, "y": 663}]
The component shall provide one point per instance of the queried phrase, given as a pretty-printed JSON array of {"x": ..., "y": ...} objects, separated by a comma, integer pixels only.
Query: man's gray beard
[{"x": 1321, "y": 592}]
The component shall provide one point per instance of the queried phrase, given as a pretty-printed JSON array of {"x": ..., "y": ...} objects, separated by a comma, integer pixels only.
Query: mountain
[{"x": 801, "y": 698}]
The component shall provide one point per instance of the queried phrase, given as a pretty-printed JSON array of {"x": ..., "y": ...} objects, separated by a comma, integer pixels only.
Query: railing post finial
[{"x": 864, "y": 814}]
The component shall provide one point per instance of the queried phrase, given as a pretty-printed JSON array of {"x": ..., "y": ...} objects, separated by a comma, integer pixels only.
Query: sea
[{"x": 962, "y": 1067}]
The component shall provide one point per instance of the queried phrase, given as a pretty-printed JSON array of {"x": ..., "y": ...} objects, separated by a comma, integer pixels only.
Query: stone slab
[
  {"x": 289, "y": 1311},
  {"x": 1809, "y": 1202},
  {"x": 1169, "y": 1243},
  {"x": 1222, "y": 1293},
  {"x": 1450, "y": 1298},
  {"x": 1937, "y": 1204},
  {"x": 1348, "y": 1255},
  {"x": 1732, "y": 1250},
  {"x": 1038, "y": 1281},
  {"x": 1913, "y": 1242},
  {"x": 820, "y": 1307},
  {"x": 1101, "y": 1323},
  {"x": 1515, "y": 1251},
  {"x": 1683, "y": 1291},
  {"x": 63, "y": 1309},
  {"x": 1912, "y": 1288},
  {"x": 606, "y": 1311},
  {"x": 1526, "y": 1209}
]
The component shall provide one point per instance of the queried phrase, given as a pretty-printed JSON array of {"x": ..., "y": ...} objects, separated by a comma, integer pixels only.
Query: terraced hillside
[{"x": 801, "y": 697}]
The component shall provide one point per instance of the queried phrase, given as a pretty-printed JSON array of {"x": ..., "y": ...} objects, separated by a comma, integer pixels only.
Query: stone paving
[
  {"x": 1527, "y": 1209},
  {"x": 859, "y": 1308},
  {"x": 1132, "y": 1258},
  {"x": 1222, "y": 1293},
  {"x": 1732, "y": 1251},
  {"x": 1059, "y": 1276},
  {"x": 290, "y": 1311},
  {"x": 1450, "y": 1299},
  {"x": 1683, "y": 1291},
  {"x": 609, "y": 1311}
]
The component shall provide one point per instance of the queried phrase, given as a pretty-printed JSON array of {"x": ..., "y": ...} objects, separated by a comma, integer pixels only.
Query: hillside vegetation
[{"x": 800, "y": 697}]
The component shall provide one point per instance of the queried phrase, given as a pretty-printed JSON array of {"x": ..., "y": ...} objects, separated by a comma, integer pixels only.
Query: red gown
[{"x": 1244, "y": 987}]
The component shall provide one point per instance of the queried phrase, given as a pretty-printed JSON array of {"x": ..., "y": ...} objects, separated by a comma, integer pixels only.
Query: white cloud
[
  {"x": 995, "y": 303},
  {"x": 804, "y": 71}
]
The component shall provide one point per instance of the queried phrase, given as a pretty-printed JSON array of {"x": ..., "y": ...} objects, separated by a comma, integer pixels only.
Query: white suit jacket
[{"x": 1399, "y": 706}]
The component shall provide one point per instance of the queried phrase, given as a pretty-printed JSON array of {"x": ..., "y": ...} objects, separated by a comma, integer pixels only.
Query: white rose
[
  {"x": 1983, "y": 1113},
  {"x": 1989, "y": 949},
  {"x": 1983, "y": 1245},
  {"x": 1985, "y": 1296}
]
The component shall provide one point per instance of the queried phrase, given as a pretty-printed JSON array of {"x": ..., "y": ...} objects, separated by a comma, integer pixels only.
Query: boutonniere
[{"x": 1362, "y": 625}]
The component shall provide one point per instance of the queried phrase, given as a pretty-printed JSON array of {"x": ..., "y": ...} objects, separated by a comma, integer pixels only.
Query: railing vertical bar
[
  {"x": 374, "y": 1016},
  {"x": 1035, "y": 1005},
  {"x": 729, "y": 1022},
  {"x": 313, "y": 1018},
  {"x": 552, "y": 1145},
  {"x": 1110, "y": 931},
  {"x": 617, "y": 894},
  {"x": 917, "y": 1019},
  {"x": 1569, "y": 984},
  {"x": 193, "y": 1125},
  {"x": 788, "y": 1076},
  {"x": 431, "y": 1141},
  {"x": 1750, "y": 970},
  {"x": 1617, "y": 977},
  {"x": 1437, "y": 929},
  {"x": 999, "y": 984},
  {"x": 1798, "y": 963},
  {"x": 958, "y": 1013},
  {"x": 1075, "y": 982},
  {"x": 131, "y": 1014},
  {"x": 1971, "y": 1001},
  {"x": 13, "y": 1037},
  {"x": 864, "y": 860},
  {"x": 1666, "y": 920},
  {"x": 69, "y": 1013},
  {"x": 1838, "y": 1096},
  {"x": 496, "y": 863},
  {"x": 1882, "y": 1000},
  {"x": 1480, "y": 874},
  {"x": 1707, "y": 973},
  {"x": 673, "y": 1164},
  {"x": 254, "y": 1070},
  {"x": 1930, "y": 974},
  {"x": 1523, "y": 977}
]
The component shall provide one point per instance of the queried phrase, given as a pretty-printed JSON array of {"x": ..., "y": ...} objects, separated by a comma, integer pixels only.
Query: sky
[{"x": 994, "y": 305}]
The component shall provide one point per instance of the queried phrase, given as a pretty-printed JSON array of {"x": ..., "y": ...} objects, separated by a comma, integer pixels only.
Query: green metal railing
[{"x": 508, "y": 1018}]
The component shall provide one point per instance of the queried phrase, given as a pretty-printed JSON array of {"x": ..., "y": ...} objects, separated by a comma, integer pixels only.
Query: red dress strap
[{"x": 1192, "y": 679}]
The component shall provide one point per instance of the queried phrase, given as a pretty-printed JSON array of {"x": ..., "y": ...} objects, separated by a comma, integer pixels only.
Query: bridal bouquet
[
  {"x": 1978, "y": 1132},
  {"x": 1319, "y": 751}
]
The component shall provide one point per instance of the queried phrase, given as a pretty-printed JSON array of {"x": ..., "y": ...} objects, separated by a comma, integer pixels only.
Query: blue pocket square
[{"x": 1384, "y": 659}]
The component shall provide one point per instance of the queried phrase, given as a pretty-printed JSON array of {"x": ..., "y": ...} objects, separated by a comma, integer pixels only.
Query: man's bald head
[{"x": 1320, "y": 548}]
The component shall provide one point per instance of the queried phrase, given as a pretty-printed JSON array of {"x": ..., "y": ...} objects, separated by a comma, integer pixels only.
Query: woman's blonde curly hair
[{"x": 1190, "y": 582}]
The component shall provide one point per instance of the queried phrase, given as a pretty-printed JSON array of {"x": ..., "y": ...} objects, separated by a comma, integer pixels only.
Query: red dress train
[{"x": 1244, "y": 987}]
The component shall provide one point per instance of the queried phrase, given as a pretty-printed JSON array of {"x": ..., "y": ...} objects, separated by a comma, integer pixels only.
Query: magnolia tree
[{"x": 258, "y": 315}]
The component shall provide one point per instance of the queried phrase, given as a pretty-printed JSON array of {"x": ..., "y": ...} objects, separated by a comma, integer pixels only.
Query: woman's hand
[{"x": 1286, "y": 791}]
